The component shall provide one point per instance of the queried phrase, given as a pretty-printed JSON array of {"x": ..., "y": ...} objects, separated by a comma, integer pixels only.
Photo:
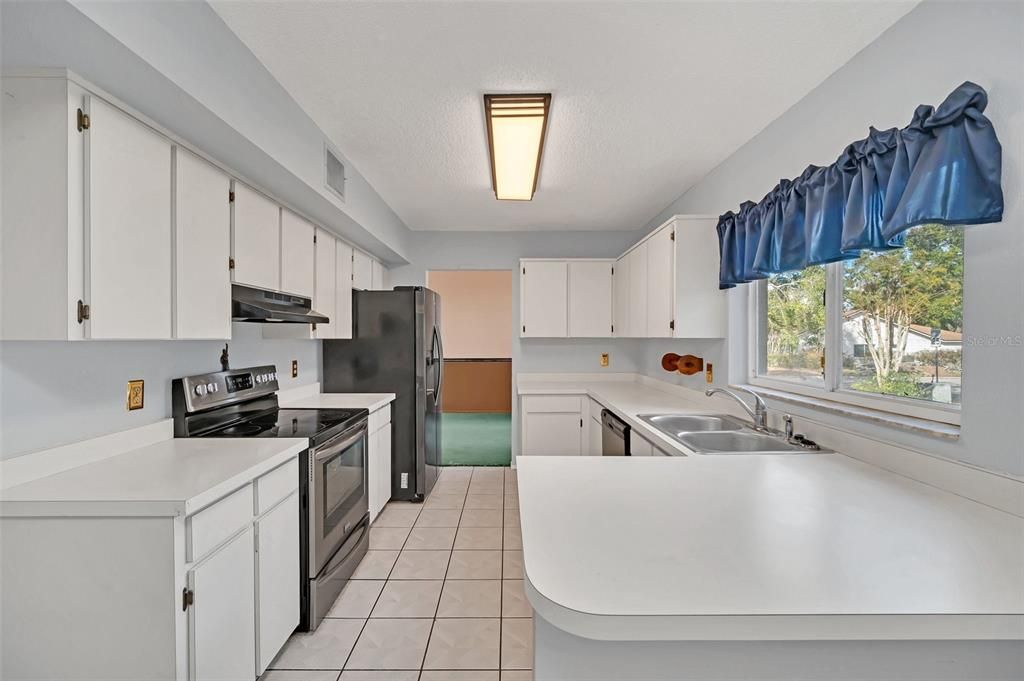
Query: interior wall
[
  {"x": 502, "y": 251},
  {"x": 920, "y": 59},
  {"x": 57, "y": 392},
  {"x": 477, "y": 312}
]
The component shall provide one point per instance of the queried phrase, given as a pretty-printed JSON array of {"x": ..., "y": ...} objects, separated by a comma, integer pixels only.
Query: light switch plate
[
  {"x": 604, "y": 359},
  {"x": 136, "y": 394}
]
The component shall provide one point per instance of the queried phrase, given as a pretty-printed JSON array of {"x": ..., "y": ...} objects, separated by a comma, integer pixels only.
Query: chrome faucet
[{"x": 759, "y": 414}]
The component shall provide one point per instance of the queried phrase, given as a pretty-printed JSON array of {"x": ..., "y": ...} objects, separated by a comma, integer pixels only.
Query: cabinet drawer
[
  {"x": 276, "y": 485},
  {"x": 379, "y": 418},
  {"x": 205, "y": 530},
  {"x": 553, "y": 403}
]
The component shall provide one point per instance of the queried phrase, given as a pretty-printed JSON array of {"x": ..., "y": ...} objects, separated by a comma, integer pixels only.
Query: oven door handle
[{"x": 340, "y": 443}]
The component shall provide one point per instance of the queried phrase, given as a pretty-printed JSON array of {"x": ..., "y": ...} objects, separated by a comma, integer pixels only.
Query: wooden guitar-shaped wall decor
[{"x": 688, "y": 365}]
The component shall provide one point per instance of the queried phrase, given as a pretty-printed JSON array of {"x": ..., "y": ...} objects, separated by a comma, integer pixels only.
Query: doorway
[{"x": 476, "y": 328}]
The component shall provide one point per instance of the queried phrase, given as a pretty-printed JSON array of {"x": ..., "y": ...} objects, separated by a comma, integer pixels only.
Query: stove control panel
[{"x": 225, "y": 387}]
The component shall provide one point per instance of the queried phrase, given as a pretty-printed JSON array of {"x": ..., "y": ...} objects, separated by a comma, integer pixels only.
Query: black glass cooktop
[{"x": 307, "y": 423}]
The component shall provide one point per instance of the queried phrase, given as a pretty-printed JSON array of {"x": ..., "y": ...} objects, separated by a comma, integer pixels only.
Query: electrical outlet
[
  {"x": 709, "y": 373},
  {"x": 295, "y": 368},
  {"x": 604, "y": 359},
  {"x": 136, "y": 394}
]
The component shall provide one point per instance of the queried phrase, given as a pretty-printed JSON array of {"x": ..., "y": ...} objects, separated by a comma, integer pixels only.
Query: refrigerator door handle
[{"x": 440, "y": 366}]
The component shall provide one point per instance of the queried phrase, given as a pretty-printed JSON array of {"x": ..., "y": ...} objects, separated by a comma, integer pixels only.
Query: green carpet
[{"x": 476, "y": 439}]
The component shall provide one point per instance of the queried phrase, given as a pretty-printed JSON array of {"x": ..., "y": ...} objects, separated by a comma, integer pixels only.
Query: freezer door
[{"x": 433, "y": 367}]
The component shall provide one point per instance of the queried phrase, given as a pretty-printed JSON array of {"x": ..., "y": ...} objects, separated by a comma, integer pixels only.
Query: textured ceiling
[{"x": 647, "y": 97}]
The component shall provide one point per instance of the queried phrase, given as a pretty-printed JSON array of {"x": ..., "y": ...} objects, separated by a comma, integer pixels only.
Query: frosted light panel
[{"x": 516, "y": 128}]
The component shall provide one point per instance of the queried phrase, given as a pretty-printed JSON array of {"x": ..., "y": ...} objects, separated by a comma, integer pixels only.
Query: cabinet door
[
  {"x": 552, "y": 431},
  {"x": 277, "y": 578},
  {"x": 638, "y": 291},
  {"x": 661, "y": 283},
  {"x": 590, "y": 299},
  {"x": 376, "y": 276},
  {"x": 544, "y": 301},
  {"x": 202, "y": 247},
  {"x": 343, "y": 324},
  {"x": 639, "y": 446},
  {"x": 384, "y": 459},
  {"x": 128, "y": 228},
  {"x": 362, "y": 271},
  {"x": 222, "y": 623},
  {"x": 373, "y": 474},
  {"x": 594, "y": 446},
  {"x": 297, "y": 255},
  {"x": 700, "y": 304},
  {"x": 256, "y": 239},
  {"x": 325, "y": 289},
  {"x": 620, "y": 313}
]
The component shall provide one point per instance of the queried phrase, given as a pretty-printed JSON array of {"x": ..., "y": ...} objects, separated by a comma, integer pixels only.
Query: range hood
[{"x": 256, "y": 305}]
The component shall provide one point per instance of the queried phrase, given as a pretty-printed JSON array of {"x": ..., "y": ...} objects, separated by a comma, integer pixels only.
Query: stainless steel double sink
[{"x": 719, "y": 434}]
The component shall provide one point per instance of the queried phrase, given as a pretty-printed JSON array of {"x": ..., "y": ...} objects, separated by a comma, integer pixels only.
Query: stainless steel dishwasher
[{"x": 614, "y": 435}]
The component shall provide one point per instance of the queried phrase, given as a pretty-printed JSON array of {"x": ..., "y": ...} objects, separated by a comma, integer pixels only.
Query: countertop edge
[{"x": 828, "y": 627}]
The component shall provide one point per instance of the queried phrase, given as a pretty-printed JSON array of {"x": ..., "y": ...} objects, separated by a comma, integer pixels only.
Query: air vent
[{"x": 334, "y": 172}]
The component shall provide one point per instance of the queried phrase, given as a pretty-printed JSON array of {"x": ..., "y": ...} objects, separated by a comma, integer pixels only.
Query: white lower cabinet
[
  {"x": 639, "y": 446},
  {"x": 211, "y": 596},
  {"x": 379, "y": 460},
  {"x": 222, "y": 626},
  {"x": 277, "y": 598},
  {"x": 552, "y": 425}
]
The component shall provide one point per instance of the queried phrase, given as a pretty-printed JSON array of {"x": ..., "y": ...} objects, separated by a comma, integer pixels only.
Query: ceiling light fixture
[{"x": 516, "y": 125}]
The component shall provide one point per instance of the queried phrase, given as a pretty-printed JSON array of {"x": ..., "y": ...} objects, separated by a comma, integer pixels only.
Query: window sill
[{"x": 913, "y": 424}]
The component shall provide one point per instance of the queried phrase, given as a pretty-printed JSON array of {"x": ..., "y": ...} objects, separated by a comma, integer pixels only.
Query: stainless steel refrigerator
[{"x": 396, "y": 348}]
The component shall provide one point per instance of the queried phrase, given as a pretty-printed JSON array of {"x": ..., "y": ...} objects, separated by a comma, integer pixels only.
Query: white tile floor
[{"x": 439, "y": 596}]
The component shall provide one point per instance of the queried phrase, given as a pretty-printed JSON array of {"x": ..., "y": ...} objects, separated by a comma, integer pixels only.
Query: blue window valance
[{"x": 945, "y": 167}]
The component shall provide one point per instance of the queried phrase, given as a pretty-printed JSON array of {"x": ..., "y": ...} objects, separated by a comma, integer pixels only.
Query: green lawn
[{"x": 476, "y": 439}]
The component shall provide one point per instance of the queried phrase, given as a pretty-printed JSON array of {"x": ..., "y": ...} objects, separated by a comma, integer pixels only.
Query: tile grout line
[{"x": 437, "y": 606}]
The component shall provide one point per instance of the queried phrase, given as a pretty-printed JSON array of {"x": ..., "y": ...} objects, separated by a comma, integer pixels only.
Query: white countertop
[
  {"x": 370, "y": 401},
  {"x": 627, "y": 399},
  {"x": 763, "y": 547},
  {"x": 170, "y": 478}
]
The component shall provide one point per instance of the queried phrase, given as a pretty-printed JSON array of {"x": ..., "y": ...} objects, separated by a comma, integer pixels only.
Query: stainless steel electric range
[{"x": 333, "y": 497}]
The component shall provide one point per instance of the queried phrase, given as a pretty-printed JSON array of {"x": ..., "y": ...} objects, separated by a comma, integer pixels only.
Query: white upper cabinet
[
  {"x": 343, "y": 296},
  {"x": 700, "y": 306},
  {"x": 362, "y": 271},
  {"x": 637, "y": 315},
  {"x": 202, "y": 247},
  {"x": 256, "y": 239},
  {"x": 590, "y": 298},
  {"x": 661, "y": 284},
  {"x": 128, "y": 223},
  {"x": 377, "y": 273},
  {"x": 544, "y": 299},
  {"x": 297, "y": 255},
  {"x": 620, "y": 308},
  {"x": 325, "y": 292}
]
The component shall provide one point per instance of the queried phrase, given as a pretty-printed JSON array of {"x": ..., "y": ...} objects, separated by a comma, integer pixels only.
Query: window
[
  {"x": 795, "y": 326},
  {"x": 884, "y": 330}
]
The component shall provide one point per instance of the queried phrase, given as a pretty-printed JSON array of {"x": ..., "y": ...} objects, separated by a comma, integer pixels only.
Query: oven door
[{"x": 338, "y": 498}]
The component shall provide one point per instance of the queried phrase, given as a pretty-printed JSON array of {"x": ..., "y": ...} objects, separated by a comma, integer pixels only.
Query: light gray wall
[
  {"x": 501, "y": 251},
  {"x": 180, "y": 65},
  {"x": 53, "y": 393},
  {"x": 919, "y": 60}
]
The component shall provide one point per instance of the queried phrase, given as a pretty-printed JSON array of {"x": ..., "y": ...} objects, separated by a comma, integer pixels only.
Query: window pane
[
  {"x": 903, "y": 317},
  {"x": 795, "y": 326}
]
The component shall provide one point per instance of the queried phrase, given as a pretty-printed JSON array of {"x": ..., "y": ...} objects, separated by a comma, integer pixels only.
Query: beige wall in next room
[{"x": 476, "y": 312}]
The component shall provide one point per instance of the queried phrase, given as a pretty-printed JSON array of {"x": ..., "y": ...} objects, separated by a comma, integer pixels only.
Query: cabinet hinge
[
  {"x": 187, "y": 598},
  {"x": 672, "y": 325},
  {"x": 613, "y": 328},
  {"x": 314, "y": 238},
  {"x": 673, "y": 237},
  {"x": 613, "y": 271},
  {"x": 231, "y": 263},
  {"x": 581, "y": 423},
  {"x": 524, "y": 328},
  {"x": 524, "y": 270},
  {"x": 83, "y": 121},
  {"x": 231, "y": 197},
  {"x": 83, "y": 311}
]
